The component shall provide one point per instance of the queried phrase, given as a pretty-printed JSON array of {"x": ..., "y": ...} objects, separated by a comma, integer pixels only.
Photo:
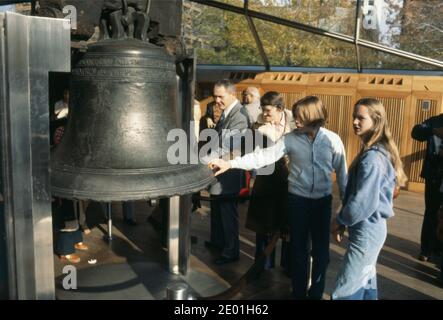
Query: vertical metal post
[
  {"x": 76, "y": 212},
  {"x": 173, "y": 234},
  {"x": 357, "y": 35},
  {"x": 258, "y": 42},
  {"x": 184, "y": 233},
  {"x": 186, "y": 72},
  {"x": 179, "y": 214},
  {"x": 31, "y": 47},
  {"x": 109, "y": 216},
  {"x": 179, "y": 208},
  {"x": 4, "y": 224}
]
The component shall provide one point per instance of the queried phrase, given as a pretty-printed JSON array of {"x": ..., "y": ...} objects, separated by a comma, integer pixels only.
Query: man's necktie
[{"x": 220, "y": 122}]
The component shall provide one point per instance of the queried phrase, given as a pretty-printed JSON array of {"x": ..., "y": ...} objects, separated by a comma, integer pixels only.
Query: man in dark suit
[
  {"x": 224, "y": 215},
  {"x": 431, "y": 131}
]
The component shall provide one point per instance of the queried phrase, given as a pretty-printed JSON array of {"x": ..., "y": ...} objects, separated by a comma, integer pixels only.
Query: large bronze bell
[{"x": 122, "y": 106}]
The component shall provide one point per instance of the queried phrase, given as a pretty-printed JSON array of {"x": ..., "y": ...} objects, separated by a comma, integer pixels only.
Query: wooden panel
[
  {"x": 243, "y": 76},
  {"x": 290, "y": 98},
  {"x": 340, "y": 110},
  {"x": 395, "y": 112},
  {"x": 287, "y": 78},
  {"x": 333, "y": 80},
  {"x": 383, "y": 82},
  {"x": 427, "y": 84},
  {"x": 416, "y": 187}
]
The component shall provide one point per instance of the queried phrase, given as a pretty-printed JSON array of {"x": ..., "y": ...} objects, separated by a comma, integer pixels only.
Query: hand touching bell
[{"x": 218, "y": 166}]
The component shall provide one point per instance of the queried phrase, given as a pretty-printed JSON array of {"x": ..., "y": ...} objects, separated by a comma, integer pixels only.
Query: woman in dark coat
[{"x": 267, "y": 208}]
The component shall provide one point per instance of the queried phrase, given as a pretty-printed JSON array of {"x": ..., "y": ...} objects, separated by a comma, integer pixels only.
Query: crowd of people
[
  {"x": 296, "y": 197},
  {"x": 298, "y": 193}
]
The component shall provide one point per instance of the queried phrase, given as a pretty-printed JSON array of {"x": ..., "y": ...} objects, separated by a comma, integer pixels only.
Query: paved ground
[{"x": 133, "y": 266}]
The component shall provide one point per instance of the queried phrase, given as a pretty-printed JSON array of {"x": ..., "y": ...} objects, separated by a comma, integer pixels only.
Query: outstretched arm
[{"x": 256, "y": 160}]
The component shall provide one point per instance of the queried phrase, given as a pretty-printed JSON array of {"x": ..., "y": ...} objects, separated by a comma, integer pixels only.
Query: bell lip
[{"x": 147, "y": 189}]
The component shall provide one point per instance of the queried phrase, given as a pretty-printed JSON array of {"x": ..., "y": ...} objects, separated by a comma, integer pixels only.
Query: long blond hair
[{"x": 381, "y": 133}]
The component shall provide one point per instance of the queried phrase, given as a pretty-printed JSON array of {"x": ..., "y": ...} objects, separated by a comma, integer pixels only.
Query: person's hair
[
  {"x": 381, "y": 133},
  {"x": 253, "y": 91},
  {"x": 311, "y": 112},
  {"x": 227, "y": 84},
  {"x": 272, "y": 98}
]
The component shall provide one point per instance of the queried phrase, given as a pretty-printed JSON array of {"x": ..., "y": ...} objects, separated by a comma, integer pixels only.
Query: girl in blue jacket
[{"x": 374, "y": 175}]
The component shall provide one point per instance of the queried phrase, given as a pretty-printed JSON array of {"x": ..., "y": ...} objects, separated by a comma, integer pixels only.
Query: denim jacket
[{"x": 370, "y": 188}]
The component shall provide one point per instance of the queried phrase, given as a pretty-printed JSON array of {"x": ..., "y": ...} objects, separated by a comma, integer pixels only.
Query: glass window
[
  {"x": 219, "y": 37},
  {"x": 373, "y": 59},
  {"x": 222, "y": 37},
  {"x": 332, "y": 15},
  {"x": 413, "y": 26},
  {"x": 285, "y": 46}
]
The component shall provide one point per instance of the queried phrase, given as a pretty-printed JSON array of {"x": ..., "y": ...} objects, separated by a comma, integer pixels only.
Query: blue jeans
[
  {"x": 370, "y": 292},
  {"x": 357, "y": 278},
  {"x": 309, "y": 218}
]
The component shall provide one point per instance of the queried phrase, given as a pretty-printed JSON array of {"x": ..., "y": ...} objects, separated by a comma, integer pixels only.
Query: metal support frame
[
  {"x": 178, "y": 210},
  {"x": 357, "y": 35},
  {"x": 258, "y": 42},
  {"x": 109, "y": 236},
  {"x": 5, "y": 272},
  {"x": 173, "y": 235},
  {"x": 30, "y": 47},
  {"x": 322, "y": 32},
  {"x": 186, "y": 72}
]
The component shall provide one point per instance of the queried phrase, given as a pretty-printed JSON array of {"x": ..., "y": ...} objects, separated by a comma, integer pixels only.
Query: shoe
[
  {"x": 423, "y": 258},
  {"x": 86, "y": 231},
  {"x": 130, "y": 222},
  {"x": 71, "y": 258},
  {"x": 211, "y": 245},
  {"x": 224, "y": 260},
  {"x": 81, "y": 246}
]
